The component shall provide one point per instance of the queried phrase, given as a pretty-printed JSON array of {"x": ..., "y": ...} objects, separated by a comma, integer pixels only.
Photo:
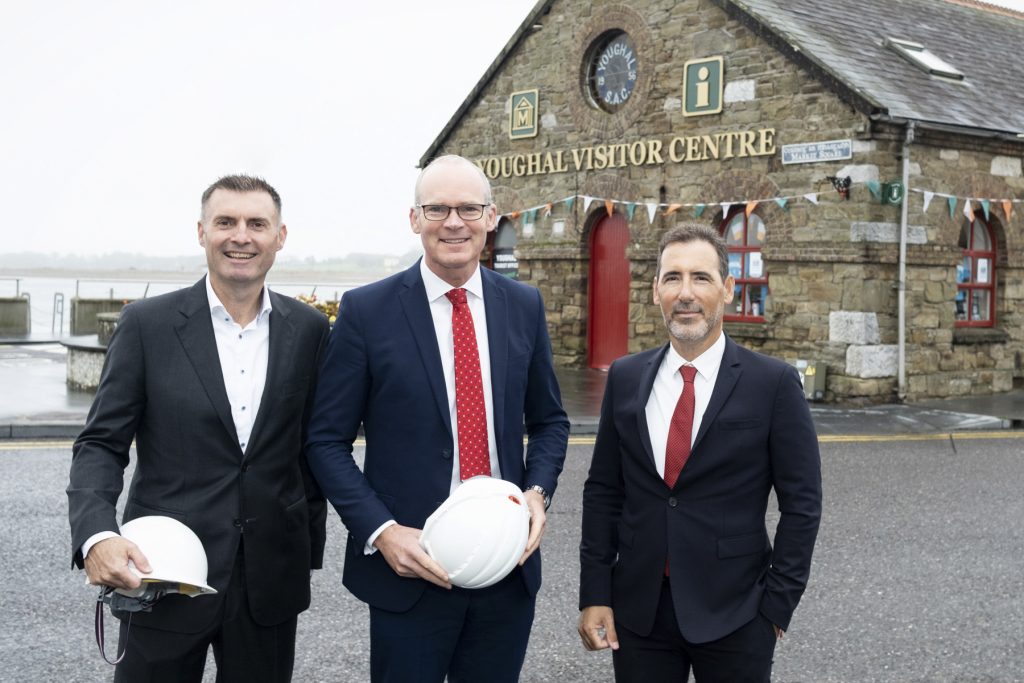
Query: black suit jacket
[
  {"x": 162, "y": 386},
  {"x": 756, "y": 435},
  {"x": 382, "y": 370}
]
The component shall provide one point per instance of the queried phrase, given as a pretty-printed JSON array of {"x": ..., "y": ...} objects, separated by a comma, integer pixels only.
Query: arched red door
[{"x": 608, "y": 329}]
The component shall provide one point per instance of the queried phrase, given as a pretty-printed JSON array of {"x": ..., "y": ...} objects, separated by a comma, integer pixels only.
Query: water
[{"x": 47, "y": 321}]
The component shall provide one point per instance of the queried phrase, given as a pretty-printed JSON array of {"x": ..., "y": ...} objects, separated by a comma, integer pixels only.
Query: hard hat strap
[{"x": 142, "y": 603}]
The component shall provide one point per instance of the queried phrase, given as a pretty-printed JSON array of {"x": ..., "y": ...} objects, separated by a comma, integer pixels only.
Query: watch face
[{"x": 612, "y": 71}]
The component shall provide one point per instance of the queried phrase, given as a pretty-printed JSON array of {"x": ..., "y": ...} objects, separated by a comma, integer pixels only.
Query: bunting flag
[
  {"x": 952, "y": 205},
  {"x": 812, "y": 197},
  {"x": 875, "y": 188},
  {"x": 782, "y": 201},
  {"x": 984, "y": 207},
  {"x": 609, "y": 206},
  {"x": 586, "y": 202},
  {"x": 1008, "y": 209},
  {"x": 927, "y": 200},
  {"x": 569, "y": 202},
  {"x": 725, "y": 208},
  {"x": 530, "y": 216},
  {"x": 698, "y": 210},
  {"x": 515, "y": 214},
  {"x": 968, "y": 211},
  {"x": 630, "y": 210},
  {"x": 547, "y": 209},
  {"x": 672, "y": 208},
  {"x": 751, "y": 205},
  {"x": 652, "y": 208}
]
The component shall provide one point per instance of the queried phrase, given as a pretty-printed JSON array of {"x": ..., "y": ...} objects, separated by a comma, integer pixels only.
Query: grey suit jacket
[{"x": 162, "y": 386}]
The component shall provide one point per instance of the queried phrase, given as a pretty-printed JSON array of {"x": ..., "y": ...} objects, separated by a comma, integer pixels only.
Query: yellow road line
[{"x": 588, "y": 439}]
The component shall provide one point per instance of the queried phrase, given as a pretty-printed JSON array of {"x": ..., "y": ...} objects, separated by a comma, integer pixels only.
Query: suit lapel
[
  {"x": 279, "y": 361},
  {"x": 728, "y": 374},
  {"x": 195, "y": 332},
  {"x": 643, "y": 393},
  {"x": 413, "y": 297},
  {"x": 496, "y": 307}
]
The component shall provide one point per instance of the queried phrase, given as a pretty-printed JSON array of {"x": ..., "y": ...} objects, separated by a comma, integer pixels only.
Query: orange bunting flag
[
  {"x": 515, "y": 214},
  {"x": 751, "y": 205},
  {"x": 609, "y": 206},
  {"x": 1008, "y": 209},
  {"x": 547, "y": 209},
  {"x": 672, "y": 209}
]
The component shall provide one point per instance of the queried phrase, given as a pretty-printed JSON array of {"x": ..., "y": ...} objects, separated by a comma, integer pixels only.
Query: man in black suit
[
  {"x": 214, "y": 383},
  {"x": 677, "y": 570}
]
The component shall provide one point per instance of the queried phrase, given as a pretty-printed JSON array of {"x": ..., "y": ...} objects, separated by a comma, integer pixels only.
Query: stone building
[{"x": 863, "y": 160}]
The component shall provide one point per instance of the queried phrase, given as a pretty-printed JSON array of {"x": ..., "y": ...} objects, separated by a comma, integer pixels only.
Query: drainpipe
[{"x": 902, "y": 315}]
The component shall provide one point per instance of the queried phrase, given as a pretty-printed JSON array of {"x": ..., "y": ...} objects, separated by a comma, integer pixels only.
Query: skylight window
[{"x": 919, "y": 56}]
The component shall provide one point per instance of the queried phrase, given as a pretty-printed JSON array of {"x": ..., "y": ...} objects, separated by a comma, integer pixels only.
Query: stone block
[
  {"x": 859, "y": 173},
  {"x": 1007, "y": 166},
  {"x": 867, "y": 231},
  {"x": 879, "y": 360},
  {"x": 739, "y": 91},
  {"x": 853, "y": 327}
]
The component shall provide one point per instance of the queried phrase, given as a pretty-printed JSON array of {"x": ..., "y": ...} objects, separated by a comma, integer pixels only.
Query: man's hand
[
  {"x": 400, "y": 546},
  {"x": 597, "y": 628},
  {"x": 107, "y": 563},
  {"x": 538, "y": 518}
]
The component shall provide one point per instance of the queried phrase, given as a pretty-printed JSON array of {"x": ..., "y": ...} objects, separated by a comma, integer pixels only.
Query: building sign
[
  {"x": 506, "y": 263},
  {"x": 813, "y": 152},
  {"x": 702, "y": 86},
  {"x": 522, "y": 117},
  {"x": 652, "y": 151}
]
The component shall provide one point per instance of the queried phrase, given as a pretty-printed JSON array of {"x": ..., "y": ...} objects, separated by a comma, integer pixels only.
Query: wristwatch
[{"x": 543, "y": 494}]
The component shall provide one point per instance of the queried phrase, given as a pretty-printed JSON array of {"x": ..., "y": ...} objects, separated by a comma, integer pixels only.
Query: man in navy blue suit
[
  {"x": 390, "y": 366},
  {"x": 677, "y": 570}
]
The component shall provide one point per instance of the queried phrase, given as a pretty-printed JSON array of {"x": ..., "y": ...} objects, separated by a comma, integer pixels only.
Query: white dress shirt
[
  {"x": 441, "y": 313},
  {"x": 244, "y": 353},
  {"x": 668, "y": 386}
]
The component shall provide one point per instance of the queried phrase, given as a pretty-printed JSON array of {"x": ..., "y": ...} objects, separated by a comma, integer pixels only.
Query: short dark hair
[
  {"x": 242, "y": 183},
  {"x": 693, "y": 232}
]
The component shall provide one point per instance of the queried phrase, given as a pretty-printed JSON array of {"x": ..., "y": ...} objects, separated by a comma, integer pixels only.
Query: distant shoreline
[{"x": 287, "y": 275}]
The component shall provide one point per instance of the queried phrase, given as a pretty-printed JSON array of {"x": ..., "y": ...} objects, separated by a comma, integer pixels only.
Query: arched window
[
  {"x": 744, "y": 236},
  {"x": 976, "y": 276}
]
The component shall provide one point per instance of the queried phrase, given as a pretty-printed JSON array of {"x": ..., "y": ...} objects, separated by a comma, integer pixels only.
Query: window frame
[
  {"x": 972, "y": 284},
  {"x": 745, "y": 281}
]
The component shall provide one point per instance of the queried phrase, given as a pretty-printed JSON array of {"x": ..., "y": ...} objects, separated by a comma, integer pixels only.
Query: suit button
[
  {"x": 446, "y": 454},
  {"x": 672, "y": 502}
]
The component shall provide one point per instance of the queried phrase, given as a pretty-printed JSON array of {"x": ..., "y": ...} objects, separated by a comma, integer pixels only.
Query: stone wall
[{"x": 833, "y": 266}]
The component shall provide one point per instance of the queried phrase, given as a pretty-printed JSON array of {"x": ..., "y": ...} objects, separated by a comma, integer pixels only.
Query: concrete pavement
[{"x": 35, "y": 403}]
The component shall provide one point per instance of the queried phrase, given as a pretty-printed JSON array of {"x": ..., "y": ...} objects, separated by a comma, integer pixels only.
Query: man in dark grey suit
[{"x": 214, "y": 384}]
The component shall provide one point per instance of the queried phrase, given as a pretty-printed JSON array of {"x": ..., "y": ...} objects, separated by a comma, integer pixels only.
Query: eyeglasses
[{"x": 439, "y": 212}]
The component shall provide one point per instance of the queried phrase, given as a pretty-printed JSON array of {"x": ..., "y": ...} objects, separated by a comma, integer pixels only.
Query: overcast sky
[{"x": 115, "y": 115}]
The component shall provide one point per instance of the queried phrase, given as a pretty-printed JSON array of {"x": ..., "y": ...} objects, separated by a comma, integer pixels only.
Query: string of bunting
[{"x": 841, "y": 185}]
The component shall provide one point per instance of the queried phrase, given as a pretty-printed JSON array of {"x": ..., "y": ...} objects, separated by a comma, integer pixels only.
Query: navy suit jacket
[
  {"x": 382, "y": 370},
  {"x": 162, "y": 385},
  {"x": 756, "y": 435}
]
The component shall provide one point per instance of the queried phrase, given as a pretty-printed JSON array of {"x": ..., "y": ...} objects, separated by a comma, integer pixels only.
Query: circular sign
[{"x": 612, "y": 70}]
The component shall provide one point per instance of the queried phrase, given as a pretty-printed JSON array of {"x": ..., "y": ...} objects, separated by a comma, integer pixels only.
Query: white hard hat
[
  {"x": 479, "y": 533},
  {"x": 174, "y": 552}
]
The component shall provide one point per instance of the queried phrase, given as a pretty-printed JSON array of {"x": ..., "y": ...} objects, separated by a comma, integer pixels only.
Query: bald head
[{"x": 449, "y": 160}]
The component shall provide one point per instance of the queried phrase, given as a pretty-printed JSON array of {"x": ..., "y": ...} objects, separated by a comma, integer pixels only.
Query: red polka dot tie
[
  {"x": 470, "y": 415},
  {"x": 680, "y": 430}
]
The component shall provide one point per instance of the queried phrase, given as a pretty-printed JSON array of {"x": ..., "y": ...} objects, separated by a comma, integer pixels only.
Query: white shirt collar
[
  {"x": 707, "y": 363},
  {"x": 436, "y": 287},
  {"x": 215, "y": 302}
]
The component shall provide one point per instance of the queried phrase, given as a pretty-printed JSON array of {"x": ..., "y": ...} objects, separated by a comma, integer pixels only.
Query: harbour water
[{"x": 50, "y": 294}]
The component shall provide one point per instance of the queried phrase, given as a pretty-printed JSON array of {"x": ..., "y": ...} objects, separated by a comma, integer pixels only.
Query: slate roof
[
  {"x": 844, "y": 41},
  {"x": 841, "y": 43}
]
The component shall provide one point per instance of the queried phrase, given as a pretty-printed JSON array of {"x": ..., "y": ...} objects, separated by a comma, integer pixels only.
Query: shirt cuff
[
  {"x": 94, "y": 539},
  {"x": 369, "y": 548}
]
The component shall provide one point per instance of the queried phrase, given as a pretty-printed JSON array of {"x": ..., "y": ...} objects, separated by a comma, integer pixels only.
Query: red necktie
[
  {"x": 470, "y": 415},
  {"x": 677, "y": 450}
]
